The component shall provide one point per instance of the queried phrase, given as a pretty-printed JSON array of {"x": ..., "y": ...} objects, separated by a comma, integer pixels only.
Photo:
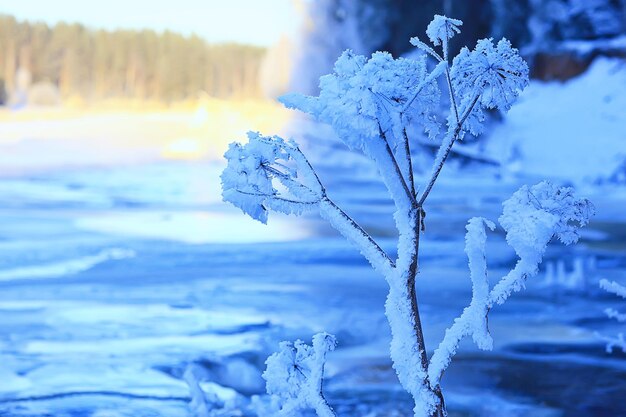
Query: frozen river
[{"x": 113, "y": 282}]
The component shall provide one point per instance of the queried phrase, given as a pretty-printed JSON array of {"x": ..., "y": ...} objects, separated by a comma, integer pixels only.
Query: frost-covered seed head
[
  {"x": 362, "y": 96},
  {"x": 247, "y": 180},
  {"x": 497, "y": 73},
  {"x": 294, "y": 373},
  {"x": 533, "y": 215},
  {"x": 285, "y": 374},
  {"x": 441, "y": 29}
]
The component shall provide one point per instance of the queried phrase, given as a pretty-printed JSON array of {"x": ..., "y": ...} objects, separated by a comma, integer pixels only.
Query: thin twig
[
  {"x": 311, "y": 169},
  {"x": 451, "y": 92},
  {"x": 392, "y": 157},
  {"x": 277, "y": 198},
  {"x": 367, "y": 239},
  {"x": 448, "y": 79},
  {"x": 289, "y": 182},
  {"x": 429, "y": 79},
  {"x": 446, "y": 152},
  {"x": 407, "y": 150},
  {"x": 424, "y": 47},
  {"x": 387, "y": 262}
]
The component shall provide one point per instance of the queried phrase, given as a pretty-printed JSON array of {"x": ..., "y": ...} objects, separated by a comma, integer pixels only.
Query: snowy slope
[{"x": 574, "y": 130}]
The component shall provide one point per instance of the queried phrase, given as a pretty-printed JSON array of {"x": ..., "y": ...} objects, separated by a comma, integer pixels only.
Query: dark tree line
[
  {"x": 126, "y": 63},
  {"x": 545, "y": 31}
]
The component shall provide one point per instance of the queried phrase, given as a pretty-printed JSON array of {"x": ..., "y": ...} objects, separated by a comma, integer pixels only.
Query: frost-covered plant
[
  {"x": 618, "y": 341},
  {"x": 294, "y": 376},
  {"x": 531, "y": 218},
  {"x": 210, "y": 400},
  {"x": 369, "y": 103}
]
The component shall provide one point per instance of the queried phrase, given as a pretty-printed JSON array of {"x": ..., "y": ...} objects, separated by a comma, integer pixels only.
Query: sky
[{"x": 259, "y": 22}]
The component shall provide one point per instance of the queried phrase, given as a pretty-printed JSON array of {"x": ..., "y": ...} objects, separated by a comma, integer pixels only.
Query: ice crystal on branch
[
  {"x": 531, "y": 218},
  {"x": 618, "y": 341},
  {"x": 294, "y": 375},
  {"x": 363, "y": 97},
  {"x": 488, "y": 77},
  {"x": 497, "y": 73},
  {"x": 533, "y": 215},
  {"x": 248, "y": 182},
  {"x": 441, "y": 29}
]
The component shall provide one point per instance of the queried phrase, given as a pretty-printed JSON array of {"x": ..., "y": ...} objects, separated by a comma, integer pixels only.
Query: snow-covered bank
[{"x": 574, "y": 131}]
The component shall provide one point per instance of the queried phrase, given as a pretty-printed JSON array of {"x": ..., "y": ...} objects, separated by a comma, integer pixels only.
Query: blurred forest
[
  {"x": 40, "y": 64},
  {"x": 70, "y": 60}
]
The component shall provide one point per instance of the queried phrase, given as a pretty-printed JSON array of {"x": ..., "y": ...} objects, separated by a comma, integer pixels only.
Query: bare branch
[
  {"x": 473, "y": 320},
  {"x": 444, "y": 151},
  {"x": 339, "y": 219},
  {"x": 279, "y": 199},
  {"x": 407, "y": 151},
  {"x": 453, "y": 104},
  {"x": 415, "y": 41},
  {"x": 436, "y": 72},
  {"x": 397, "y": 169},
  {"x": 350, "y": 229},
  {"x": 304, "y": 163},
  {"x": 298, "y": 189}
]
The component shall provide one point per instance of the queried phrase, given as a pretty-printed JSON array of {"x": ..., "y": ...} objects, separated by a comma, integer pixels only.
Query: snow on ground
[{"x": 573, "y": 130}]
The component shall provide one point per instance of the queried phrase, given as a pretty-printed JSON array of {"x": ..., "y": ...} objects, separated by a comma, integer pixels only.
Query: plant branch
[
  {"x": 351, "y": 230},
  {"x": 436, "y": 72},
  {"x": 426, "y": 48},
  {"x": 338, "y": 218},
  {"x": 298, "y": 189},
  {"x": 396, "y": 167},
  {"x": 407, "y": 151},
  {"x": 300, "y": 158},
  {"x": 444, "y": 151},
  {"x": 453, "y": 104},
  {"x": 413, "y": 271},
  {"x": 344, "y": 224},
  {"x": 458, "y": 329},
  {"x": 473, "y": 320},
  {"x": 279, "y": 199}
]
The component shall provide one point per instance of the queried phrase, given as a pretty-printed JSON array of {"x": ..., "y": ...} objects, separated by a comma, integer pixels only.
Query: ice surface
[
  {"x": 192, "y": 227},
  {"x": 113, "y": 338},
  {"x": 67, "y": 267}
]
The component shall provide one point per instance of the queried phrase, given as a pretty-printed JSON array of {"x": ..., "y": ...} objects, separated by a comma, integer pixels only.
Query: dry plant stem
[
  {"x": 437, "y": 170},
  {"x": 413, "y": 271},
  {"x": 385, "y": 260},
  {"x": 449, "y": 80},
  {"x": 407, "y": 150},
  {"x": 392, "y": 157},
  {"x": 440, "y": 410},
  {"x": 451, "y": 92},
  {"x": 323, "y": 409}
]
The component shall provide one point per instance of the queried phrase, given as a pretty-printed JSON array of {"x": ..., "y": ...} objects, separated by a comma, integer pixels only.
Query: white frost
[
  {"x": 619, "y": 290},
  {"x": 295, "y": 373},
  {"x": 441, "y": 29},
  {"x": 370, "y": 102}
]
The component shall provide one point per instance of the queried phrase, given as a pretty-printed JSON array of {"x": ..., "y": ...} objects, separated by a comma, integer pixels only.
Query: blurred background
[{"x": 120, "y": 266}]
